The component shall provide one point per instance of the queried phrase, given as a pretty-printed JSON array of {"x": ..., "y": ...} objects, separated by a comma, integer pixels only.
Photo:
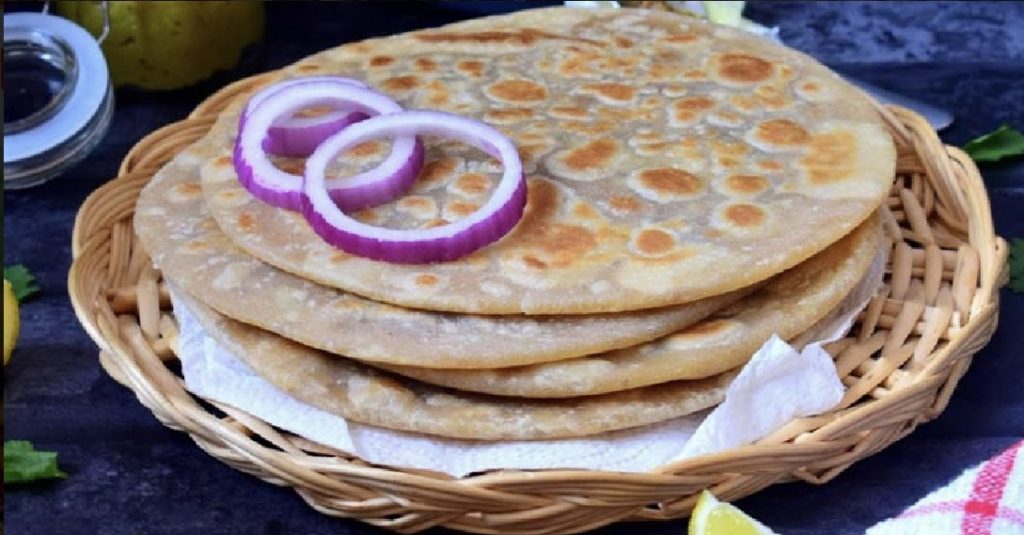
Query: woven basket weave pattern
[{"x": 900, "y": 363}]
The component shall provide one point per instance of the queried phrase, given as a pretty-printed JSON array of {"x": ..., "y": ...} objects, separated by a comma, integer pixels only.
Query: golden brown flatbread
[
  {"x": 668, "y": 160},
  {"x": 176, "y": 229},
  {"x": 362, "y": 394},
  {"x": 787, "y": 305}
]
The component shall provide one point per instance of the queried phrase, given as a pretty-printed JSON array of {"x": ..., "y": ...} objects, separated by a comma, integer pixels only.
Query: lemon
[
  {"x": 712, "y": 517},
  {"x": 11, "y": 322}
]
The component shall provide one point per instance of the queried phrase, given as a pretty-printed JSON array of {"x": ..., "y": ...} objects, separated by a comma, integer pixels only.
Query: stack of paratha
[{"x": 692, "y": 190}]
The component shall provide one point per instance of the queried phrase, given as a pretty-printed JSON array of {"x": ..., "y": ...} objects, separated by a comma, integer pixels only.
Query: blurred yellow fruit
[
  {"x": 166, "y": 45},
  {"x": 712, "y": 517},
  {"x": 11, "y": 321}
]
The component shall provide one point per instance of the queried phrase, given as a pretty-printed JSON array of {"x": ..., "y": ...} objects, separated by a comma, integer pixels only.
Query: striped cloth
[{"x": 985, "y": 500}]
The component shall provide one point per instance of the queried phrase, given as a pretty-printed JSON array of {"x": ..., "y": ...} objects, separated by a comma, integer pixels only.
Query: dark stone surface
[{"x": 130, "y": 475}]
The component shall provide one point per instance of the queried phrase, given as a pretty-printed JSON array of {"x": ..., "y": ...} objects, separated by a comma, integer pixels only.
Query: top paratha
[
  {"x": 175, "y": 228},
  {"x": 668, "y": 160}
]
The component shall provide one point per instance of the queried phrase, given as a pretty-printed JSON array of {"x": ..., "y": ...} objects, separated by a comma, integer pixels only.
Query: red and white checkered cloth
[{"x": 985, "y": 500}]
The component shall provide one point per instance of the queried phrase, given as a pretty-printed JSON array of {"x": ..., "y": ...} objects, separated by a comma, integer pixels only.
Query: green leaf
[
  {"x": 1017, "y": 265},
  {"x": 22, "y": 281},
  {"x": 1004, "y": 142},
  {"x": 23, "y": 464}
]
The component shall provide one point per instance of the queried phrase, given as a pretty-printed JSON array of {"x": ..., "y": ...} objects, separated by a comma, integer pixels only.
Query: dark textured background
[{"x": 129, "y": 475}]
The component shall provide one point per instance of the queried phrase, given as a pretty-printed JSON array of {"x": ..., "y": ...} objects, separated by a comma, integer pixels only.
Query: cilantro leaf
[
  {"x": 23, "y": 464},
  {"x": 22, "y": 281},
  {"x": 1017, "y": 265},
  {"x": 1004, "y": 142}
]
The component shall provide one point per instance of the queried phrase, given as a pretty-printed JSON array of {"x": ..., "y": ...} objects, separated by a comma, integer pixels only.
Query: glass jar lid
[{"x": 58, "y": 99}]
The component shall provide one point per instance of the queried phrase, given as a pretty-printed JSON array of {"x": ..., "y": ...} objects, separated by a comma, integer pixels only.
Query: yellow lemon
[
  {"x": 11, "y": 322},
  {"x": 712, "y": 517}
]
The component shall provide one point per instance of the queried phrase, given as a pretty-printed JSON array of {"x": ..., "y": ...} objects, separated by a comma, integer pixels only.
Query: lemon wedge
[
  {"x": 11, "y": 322},
  {"x": 712, "y": 517}
]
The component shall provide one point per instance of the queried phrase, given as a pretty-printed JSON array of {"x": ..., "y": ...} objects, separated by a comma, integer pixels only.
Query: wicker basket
[{"x": 911, "y": 346}]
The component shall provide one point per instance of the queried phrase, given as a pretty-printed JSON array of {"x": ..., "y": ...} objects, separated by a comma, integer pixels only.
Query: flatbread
[
  {"x": 175, "y": 228},
  {"x": 362, "y": 394},
  {"x": 788, "y": 305},
  {"x": 668, "y": 160}
]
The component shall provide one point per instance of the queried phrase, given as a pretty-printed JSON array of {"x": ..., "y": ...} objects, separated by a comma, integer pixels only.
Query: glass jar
[{"x": 58, "y": 100}]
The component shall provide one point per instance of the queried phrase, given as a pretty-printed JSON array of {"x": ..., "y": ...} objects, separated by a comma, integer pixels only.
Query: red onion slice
[
  {"x": 299, "y": 136},
  {"x": 488, "y": 224},
  {"x": 257, "y": 173}
]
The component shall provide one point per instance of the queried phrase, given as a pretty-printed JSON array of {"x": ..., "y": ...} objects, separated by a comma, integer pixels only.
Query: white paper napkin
[{"x": 777, "y": 385}]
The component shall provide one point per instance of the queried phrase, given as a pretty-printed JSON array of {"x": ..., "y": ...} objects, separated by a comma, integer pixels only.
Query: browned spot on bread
[
  {"x": 518, "y": 91},
  {"x": 367, "y": 148},
  {"x": 744, "y": 215},
  {"x": 746, "y": 184},
  {"x": 426, "y": 64},
  {"x": 473, "y": 183},
  {"x": 313, "y": 111},
  {"x": 369, "y": 216},
  {"x": 611, "y": 91},
  {"x": 831, "y": 157},
  {"x": 681, "y": 38},
  {"x": 471, "y": 67},
  {"x": 590, "y": 129},
  {"x": 426, "y": 279},
  {"x": 415, "y": 201},
  {"x": 620, "y": 64},
  {"x": 246, "y": 221},
  {"x": 687, "y": 109},
  {"x": 437, "y": 170},
  {"x": 509, "y": 114},
  {"x": 744, "y": 68},
  {"x": 670, "y": 181},
  {"x": 664, "y": 71},
  {"x": 531, "y": 151},
  {"x": 584, "y": 210},
  {"x": 223, "y": 161},
  {"x": 294, "y": 166},
  {"x": 694, "y": 103},
  {"x": 695, "y": 74},
  {"x": 534, "y": 262},
  {"x": 339, "y": 257},
  {"x": 654, "y": 242},
  {"x": 400, "y": 83},
  {"x": 381, "y": 61},
  {"x": 462, "y": 209},
  {"x": 782, "y": 132},
  {"x": 623, "y": 42},
  {"x": 438, "y": 94},
  {"x": 433, "y": 223},
  {"x": 594, "y": 155},
  {"x": 770, "y": 165},
  {"x": 309, "y": 67},
  {"x": 624, "y": 204},
  {"x": 571, "y": 112},
  {"x": 561, "y": 244},
  {"x": 810, "y": 87},
  {"x": 524, "y": 37},
  {"x": 575, "y": 66}
]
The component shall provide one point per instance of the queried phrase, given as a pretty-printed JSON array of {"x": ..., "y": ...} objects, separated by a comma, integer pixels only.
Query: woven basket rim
[{"x": 108, "y": 283}]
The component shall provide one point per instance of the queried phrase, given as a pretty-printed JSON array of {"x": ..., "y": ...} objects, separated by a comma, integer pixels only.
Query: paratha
[
  {"x": 788, "y": 305},
  {"x": 668, "y": 160},
  {"x": 363, "y": 394},
  {"x": 175, "y": 228}
]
